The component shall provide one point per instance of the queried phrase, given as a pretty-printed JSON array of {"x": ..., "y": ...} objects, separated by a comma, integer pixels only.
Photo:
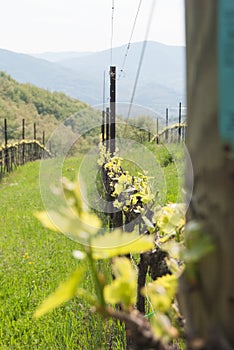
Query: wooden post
[
  {"x": 207, "y": 294},
  {"x": 103, "y": 127},
  {"x": 103, "y": 108},
  {"x": 107, "y": 128},
  {"x": 166, "y": 125},
  {"x": 23, "y": 129},
  {"x": 34, "y": 131},
  {"x": 23, "y": 145},
  {"x": 34, "y": 144},
  {"x": 157, "y": 137},
  {"x": 6, "y": 147},
  {"x": 43, "y": 138},
  {"x": 179, "y": 127},
  {"x": 112, "y": 108}
]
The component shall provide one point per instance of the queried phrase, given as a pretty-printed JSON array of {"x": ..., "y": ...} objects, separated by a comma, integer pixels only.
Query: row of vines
[
  {"x": 145, "y": 245},
  {"x": 19, "y": 153}
]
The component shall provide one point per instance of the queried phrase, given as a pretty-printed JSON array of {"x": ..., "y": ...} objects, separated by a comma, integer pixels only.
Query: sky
[{"x": 33, "y": 26}]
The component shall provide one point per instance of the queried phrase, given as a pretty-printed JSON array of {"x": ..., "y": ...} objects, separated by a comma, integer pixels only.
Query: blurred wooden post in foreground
[{"x": 207, "y": 286}]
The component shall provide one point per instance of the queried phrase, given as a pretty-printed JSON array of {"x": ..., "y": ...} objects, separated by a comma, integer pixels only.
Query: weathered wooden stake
[
  {"x": 103, "y": 127},
  {"x": 23, "y": 129},
  {"x": 179, "y": 127},
  {"x": 43, "y": 138},
  {"x": 34, "y": 131},
  {"x": 166, "y": 125},
  {"x": 112, "y": 108},
  {"x": 6, "y": 146},
  {"x": 157, "y": 140},
  {"x": 23, "y": 137},
  {"x": 107, "y": 128}
]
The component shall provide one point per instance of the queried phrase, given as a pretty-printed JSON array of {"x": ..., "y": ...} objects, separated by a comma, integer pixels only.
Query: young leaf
[
  {"x": 162, "y": 326},
  {"x": 46, "y": 220},
  {"x": 116, "y": 243},
  {"x": 65, "y": 292},
  {"x": 161, "y": 292},
  {"x": 171, "y": 218},
  {"x": 123, "y": 288},
  {"x": 69, "y": 223}
]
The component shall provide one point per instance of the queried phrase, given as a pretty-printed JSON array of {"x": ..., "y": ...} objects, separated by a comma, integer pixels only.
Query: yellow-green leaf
[
  {"x": 46, "y": 220},
  {"x": 171, "y": 218},
  {"x": 65, "y": 292},
  {"x": 161, "y": 292},
  {"x": 162, "y": 326},
  {"x": 69, "y": 223},
  {"x": 118, "y": 243},
  {"x": 123, "y": 289}
]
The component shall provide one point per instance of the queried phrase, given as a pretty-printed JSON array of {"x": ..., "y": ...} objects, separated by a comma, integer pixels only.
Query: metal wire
[
  {"x": 112, "y": 30},
  {"x": 141, "y": 56},
  {"x": 130, "y": 39}
]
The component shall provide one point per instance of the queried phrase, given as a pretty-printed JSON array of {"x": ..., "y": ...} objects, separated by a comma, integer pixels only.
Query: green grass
[
  {"x": 171, "y": 159},
  {"x": 164, "y": 164},
  {"x": 33, "y": 261}
]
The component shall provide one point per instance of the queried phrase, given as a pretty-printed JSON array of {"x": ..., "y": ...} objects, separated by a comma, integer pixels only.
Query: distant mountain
[
  {"x": 161, "y": 82},
  {"x": 44, "y": 74},
  {"x": 59, "y": 56}
]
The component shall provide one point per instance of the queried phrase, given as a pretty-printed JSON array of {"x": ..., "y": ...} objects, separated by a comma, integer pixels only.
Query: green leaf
[
  {"x": 161, "y": 292},
  {"x": 68, "y": 222},
  {"x": 162, "y": 326},
  {"x": 118, "y": 189},
  {"x": 123, "y": 289},
  {"x": 46, "y": 220},
  {"x": 65, "y": 292},
  {"x": 171, "y": 218},
  {"x": 118, "y": 243}
]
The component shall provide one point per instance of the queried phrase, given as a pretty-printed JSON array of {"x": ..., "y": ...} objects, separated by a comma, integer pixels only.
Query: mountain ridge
[{"x": 161, "y": 82}]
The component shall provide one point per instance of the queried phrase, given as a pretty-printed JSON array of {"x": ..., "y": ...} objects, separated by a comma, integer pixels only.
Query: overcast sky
[{"x": 85, "y": 25}]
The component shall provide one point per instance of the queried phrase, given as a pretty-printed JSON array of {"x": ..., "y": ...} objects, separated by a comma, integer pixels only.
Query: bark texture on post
[{"x": 208, "y": 305}]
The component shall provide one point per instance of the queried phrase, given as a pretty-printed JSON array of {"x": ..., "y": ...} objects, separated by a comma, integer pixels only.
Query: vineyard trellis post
[
  {"x": 6, "y": 160},
  {"x": 157, "y": 130},
  {"x": 166, "y": 125},
  {"x": 103, "y": 127},
  {"x": 43, "y": 138},
  {"x": 35, "y": 137},
  {"x": 34, "y": 131},
  {"x": 23, "y": 137},
  {"x": 112, "y": 108},
  {"x": 107, "y": 128},
  {"x": 179, "y": 126}
]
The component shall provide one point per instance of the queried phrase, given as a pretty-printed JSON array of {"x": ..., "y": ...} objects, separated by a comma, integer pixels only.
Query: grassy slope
[
  {"x": 32, "y": 263},
  {"x": 34, "y": 260}
]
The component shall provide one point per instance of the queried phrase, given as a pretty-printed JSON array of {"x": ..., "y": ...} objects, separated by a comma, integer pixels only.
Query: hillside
[
  {"x": 161, "y": 83},
  {"x": 18, "y": 101}
]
